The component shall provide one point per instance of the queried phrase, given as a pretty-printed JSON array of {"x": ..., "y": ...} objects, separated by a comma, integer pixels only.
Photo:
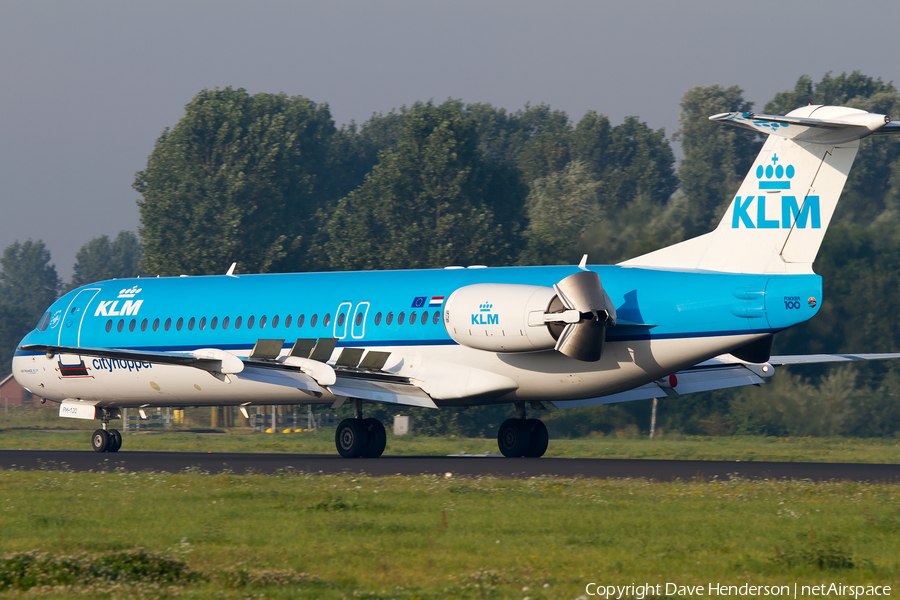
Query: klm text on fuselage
[{"x": 791, "y": 213}]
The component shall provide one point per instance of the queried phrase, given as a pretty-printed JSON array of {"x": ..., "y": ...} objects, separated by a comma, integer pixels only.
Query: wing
[
  {"x": 356, "y": 379},
  {"x": 719, "y": 373}
]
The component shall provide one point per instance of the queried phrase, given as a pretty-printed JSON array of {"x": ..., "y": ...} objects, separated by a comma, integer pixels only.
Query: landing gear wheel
[
  {"x": 351, "y": 438},
  {"x": 539, "y": 438},
  {"x": 514, "y": 438},
  {"x": 115, "y": 440},
  {"x": 377, "y": 438},
  {"x": 100, "y": 440}
]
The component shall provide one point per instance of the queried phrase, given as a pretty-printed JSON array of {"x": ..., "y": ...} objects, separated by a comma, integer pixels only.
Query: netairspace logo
[{"x": 641, "y": 591}]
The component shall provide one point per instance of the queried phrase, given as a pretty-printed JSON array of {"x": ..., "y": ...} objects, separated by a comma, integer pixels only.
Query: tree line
[{"x": 272, "y": 183}]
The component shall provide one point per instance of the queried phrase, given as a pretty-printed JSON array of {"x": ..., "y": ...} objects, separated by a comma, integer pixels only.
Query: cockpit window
[{"x": 42, "y": 324}]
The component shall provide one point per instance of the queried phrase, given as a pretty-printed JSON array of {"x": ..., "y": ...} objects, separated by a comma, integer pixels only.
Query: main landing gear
[
  {"x": 360, "y": 437},
  {"x": 105, "y": 439},
  {"x": 521, "y": 437}
]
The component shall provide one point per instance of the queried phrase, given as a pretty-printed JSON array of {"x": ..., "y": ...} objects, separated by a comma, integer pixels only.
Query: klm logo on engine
[
  {"x": 484, "y": 315},
  {"x": 752, "y": 212}
]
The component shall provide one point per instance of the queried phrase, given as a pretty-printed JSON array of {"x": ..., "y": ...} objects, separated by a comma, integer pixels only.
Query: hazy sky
[{"x": 87, "y": 87}]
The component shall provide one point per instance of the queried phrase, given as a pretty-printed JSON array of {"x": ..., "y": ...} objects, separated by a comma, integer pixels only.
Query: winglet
[
  {"x": 230, "y": 272},
  {"x": 583, "y": 264}
]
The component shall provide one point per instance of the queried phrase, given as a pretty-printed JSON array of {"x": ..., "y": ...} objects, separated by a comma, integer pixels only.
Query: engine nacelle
[
  {"x": 570, "y": 317},
  {"x": 495, "y": 317}
]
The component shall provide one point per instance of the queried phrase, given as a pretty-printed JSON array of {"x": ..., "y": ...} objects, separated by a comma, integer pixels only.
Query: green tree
[
  {"x": 100, "y": 259},
  {"x": 431, "y": 201},
  {"x": 28, "y": 285},
  {"x": 237, "y": 180},
  {"x": 561, "y": 208},
  {"x": 716, "y": 158},
  {"x": 629, "y": 160}
]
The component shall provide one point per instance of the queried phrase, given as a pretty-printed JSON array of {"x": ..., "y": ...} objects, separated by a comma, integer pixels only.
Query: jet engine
[{"x": 571, "y": 317}]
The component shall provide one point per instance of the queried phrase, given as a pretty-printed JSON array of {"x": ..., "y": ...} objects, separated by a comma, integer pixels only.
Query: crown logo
[
  {"x": 776, "y": 171},
  {"x": 129, "y": 292},
  {"x": 485, "y": 307}
]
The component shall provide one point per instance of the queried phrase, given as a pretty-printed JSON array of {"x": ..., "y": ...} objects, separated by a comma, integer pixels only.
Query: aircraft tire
[
  {"x": 115, "y": 440},
  {"x": 514, "y": 438},
  {"x": 540, "y": 438},
  {"x": 377, "y": 438},
  {"x": 100, "y": 440},
  {"x": 351, "y": 438}
]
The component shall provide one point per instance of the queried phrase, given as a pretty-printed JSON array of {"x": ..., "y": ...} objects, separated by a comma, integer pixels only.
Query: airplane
[{"x": 696, "y": 316}]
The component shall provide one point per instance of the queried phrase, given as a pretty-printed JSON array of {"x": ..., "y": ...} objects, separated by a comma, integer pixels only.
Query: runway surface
[{"x": 241, "y": 463}]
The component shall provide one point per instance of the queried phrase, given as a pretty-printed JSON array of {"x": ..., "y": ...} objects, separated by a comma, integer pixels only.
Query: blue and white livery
[{"x": 696, "y": 316}]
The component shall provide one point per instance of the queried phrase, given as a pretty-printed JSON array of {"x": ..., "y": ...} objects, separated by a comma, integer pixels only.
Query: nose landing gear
[{"x": 106, "y": 440}]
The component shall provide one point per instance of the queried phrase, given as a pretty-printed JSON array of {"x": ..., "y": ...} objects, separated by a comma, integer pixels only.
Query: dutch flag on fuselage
[{"x": 436, "y": 301}]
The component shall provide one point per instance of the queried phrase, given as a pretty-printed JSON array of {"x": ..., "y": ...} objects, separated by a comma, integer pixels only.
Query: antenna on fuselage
[
  {"x": 583, "y": 264},
  {"x": 230, "y": 272}
]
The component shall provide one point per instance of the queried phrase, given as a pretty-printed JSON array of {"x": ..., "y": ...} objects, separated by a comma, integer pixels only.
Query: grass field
[{"x": 298, "y": 536}]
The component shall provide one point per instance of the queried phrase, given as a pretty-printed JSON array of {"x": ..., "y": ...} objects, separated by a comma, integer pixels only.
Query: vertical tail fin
[{"x": 777, "y": 220}]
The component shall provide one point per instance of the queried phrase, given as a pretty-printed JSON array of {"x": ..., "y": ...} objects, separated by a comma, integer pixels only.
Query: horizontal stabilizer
[{"x": 814, "y": 124}]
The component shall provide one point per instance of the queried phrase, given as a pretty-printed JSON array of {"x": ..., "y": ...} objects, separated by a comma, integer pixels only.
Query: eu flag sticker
[{"x": 419, "y": 301}]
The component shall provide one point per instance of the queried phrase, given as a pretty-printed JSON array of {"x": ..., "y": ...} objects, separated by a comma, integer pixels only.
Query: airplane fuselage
[{"x": 666, "y": 321}]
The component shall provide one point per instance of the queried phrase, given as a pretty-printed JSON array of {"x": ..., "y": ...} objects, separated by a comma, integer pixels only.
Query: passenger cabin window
[
  {"x": 155, "y": 324},
  {"x": 341, "y": 320},
  {"x": 225, "y": 322},
  {"x": 144, "y": 325},
  {"x": 179, "y": 324},
  {"x": 131, "y": 325},
  {"x": 412, "y": 318},
  {"x": 275, "y": 321},
  {"x": 109, "y": 326},
  {"x": 191, "y": 324},
  {"x": 378, "y": 319},
  {"x": 437, "y": 317},
  {"x": 237, "y": 322},
  {"x": 202, "y": 324},
  {"x": 300, "y": 320},
  {"x": 262, "y": 321},
  {"x": 326, "y": 320},
  {"x": 250, "y": 321},
  {"x": 425, "y": 317},
  {"x": 359, "y": 317},
  {"x": 400, "y": 318},
  {"x": 168, "y": 324},
  {"x": 287, "y": 321},
  {"x": 390, "y": 318},
  {"x": 121, "y": 325},
  {"x": 312, "y": 320},
  {"x": 214, "y": 322}
]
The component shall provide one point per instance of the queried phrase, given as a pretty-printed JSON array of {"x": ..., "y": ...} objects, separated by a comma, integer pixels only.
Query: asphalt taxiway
[{"x": 469, "y": 466}]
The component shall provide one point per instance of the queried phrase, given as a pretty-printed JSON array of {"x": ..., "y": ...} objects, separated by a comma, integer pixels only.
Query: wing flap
[
  {"x": 294, "y": 379},
  {"x": 381, "y": 391}
]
